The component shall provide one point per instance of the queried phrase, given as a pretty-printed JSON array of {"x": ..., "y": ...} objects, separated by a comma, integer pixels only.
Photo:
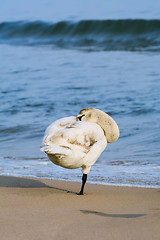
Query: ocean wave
[{"x": 106, "y": 35}]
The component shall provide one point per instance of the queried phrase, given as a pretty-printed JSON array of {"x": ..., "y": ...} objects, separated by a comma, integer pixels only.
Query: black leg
[{"x": 84, "y": 179}]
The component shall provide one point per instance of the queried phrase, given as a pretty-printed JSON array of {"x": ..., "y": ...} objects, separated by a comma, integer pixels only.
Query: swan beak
[{"x": 78, "y": 118}]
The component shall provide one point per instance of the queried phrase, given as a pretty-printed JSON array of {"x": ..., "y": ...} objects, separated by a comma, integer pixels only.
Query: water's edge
[{"x": 88, "y": 182}]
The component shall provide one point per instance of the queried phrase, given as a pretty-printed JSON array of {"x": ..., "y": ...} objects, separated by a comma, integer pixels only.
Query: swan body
[
  {"x": 77, "y": 142},
  {"x": 74, "y": 144}
]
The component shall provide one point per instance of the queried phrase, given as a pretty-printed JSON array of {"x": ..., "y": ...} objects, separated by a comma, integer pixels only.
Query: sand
[{"x": 40, "y": 209}]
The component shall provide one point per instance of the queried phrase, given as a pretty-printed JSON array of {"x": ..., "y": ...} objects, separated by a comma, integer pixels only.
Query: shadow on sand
[
  {"x": 21, "y": 182},
  {"x": 113, "y": 215}
]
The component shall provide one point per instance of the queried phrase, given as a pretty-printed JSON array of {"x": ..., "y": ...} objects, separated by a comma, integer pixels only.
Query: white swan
[{"x": 75, "y": 142}]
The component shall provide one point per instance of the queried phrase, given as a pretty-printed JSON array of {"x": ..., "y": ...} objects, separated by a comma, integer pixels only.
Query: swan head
[{"x": 109, "y": 126}]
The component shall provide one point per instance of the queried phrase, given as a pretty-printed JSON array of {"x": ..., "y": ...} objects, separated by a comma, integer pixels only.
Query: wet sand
[{"x": 38, "y": 209}]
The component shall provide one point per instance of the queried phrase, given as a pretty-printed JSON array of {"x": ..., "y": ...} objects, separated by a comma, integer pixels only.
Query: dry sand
[{"x": 38, "y": 209}]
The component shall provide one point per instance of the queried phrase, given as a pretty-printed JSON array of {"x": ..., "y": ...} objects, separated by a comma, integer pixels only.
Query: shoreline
[
  {"x": 88, "y": 182},
  {"x": 34, "y": 208}
]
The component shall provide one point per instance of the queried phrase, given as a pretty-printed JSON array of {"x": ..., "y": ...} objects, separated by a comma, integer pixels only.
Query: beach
[
  {"x": 57, "y": 58},
  {"x": 38, "y": 209}
]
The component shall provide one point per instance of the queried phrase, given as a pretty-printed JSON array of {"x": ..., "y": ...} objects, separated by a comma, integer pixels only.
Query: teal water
[{"x": 53, "y": 66}]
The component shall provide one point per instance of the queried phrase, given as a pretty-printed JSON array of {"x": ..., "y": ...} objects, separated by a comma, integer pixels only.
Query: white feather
[{"x": 74, "y": 144}]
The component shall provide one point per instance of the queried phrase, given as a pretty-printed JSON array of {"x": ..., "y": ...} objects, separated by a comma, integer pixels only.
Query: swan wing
[
  {"x": 53, "y": 129},
  {"x": 78, "y": 137}
]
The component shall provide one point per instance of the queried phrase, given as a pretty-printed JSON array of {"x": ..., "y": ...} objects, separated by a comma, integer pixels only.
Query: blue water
[{"x": 57, "y": 58}]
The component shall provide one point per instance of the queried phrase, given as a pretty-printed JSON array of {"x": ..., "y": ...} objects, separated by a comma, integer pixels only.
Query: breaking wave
[{"x": 103, "y": 35}]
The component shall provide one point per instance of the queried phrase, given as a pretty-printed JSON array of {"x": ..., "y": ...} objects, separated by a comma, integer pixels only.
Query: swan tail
[{"x": 54, "y": 150}]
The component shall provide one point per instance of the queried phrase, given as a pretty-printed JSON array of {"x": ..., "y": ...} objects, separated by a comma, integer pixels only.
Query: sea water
[{"x": 57, "y": 57}]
